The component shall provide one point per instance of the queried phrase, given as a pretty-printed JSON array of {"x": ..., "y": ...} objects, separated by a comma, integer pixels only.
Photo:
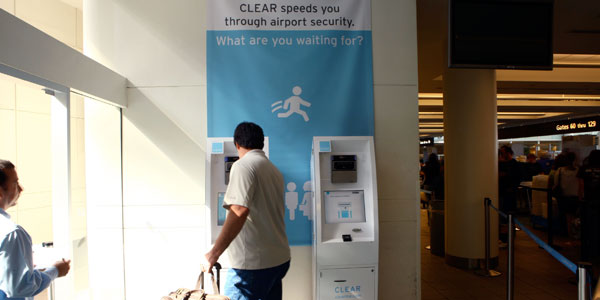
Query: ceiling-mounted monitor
[{"x": 500, "y": 34}]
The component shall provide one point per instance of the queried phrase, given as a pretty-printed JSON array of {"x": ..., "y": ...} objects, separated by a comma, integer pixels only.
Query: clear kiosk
[
  {"x": 345, "y": 227},
  {"x": 220, "y": 156}
]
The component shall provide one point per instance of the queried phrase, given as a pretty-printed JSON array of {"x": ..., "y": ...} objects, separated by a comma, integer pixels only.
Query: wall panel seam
[{"x": 32, "y": 112}]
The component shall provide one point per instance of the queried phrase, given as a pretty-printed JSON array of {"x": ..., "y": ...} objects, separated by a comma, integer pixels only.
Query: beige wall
[
  {"x": 164, "y": 131},
  {"x": 8, "y": 5},
  {"x": 164, "y": 128},
  {"x": 54, "y": 17}
]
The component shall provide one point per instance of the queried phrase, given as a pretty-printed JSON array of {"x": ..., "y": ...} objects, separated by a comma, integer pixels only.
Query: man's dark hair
[
  {"x": 4, "y": 165},
  {"x": 560, "y": 161},
  {"x": 249, "y": 135},
  {"x": 570, "y": 158}
]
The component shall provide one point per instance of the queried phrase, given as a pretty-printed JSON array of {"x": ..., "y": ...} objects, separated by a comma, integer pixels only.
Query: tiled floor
[{"x": 537, "y": 274}]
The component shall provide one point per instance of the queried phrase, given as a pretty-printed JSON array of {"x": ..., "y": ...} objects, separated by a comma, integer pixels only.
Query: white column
[
  {"x": 471, "y": 163},
  {"x": 61, "y": 185}
]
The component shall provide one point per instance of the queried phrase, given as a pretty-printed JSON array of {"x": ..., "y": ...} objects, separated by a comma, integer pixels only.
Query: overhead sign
[
  {"x": 551, "y": 128},
  {"x": 426, "y": 141},
  {"x": 297, "y": 68}
]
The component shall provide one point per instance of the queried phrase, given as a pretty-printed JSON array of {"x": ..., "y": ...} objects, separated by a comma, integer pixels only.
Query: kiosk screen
[
  {"x": 221, "y": 211},
  {"x": 344, "y": 207}
]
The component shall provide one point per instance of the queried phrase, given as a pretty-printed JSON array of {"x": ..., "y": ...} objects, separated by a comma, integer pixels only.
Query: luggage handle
[{"x": 216, "y": 285}]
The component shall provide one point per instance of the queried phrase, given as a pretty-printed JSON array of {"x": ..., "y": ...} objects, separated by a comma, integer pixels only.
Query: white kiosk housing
[
  {"x": 345, "y": 227},
  {"x": 220, "y": 156}
]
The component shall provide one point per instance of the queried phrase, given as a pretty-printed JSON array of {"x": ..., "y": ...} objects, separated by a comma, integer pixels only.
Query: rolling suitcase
[{"x": 199, "y": 293}]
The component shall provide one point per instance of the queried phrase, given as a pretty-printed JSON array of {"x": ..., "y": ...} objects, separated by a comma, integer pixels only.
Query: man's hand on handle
[
  {"x": 63, "y": 267},
  {"x": 209, "y": 261}
]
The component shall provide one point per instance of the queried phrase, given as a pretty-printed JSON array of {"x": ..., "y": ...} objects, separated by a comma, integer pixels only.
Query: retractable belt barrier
[
  {"x": 563, "y": 260},
  {"x": 579, "y": 269},
  {"x": 499, "y": 211}
]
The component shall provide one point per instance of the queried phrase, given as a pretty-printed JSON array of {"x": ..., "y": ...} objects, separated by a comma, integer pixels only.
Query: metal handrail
[{"x": 580, "y": 269}]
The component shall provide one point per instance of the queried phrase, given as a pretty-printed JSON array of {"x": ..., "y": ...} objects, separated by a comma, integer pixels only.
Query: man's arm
[
  {"x": 25, "y": 280},
  {"x": 233, "y": 225}
]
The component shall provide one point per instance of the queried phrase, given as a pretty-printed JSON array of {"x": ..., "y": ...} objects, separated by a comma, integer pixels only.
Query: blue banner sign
[{"x": 298, "y": 69}]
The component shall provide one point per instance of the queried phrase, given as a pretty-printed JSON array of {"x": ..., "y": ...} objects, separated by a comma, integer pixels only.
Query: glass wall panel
[
  {"x": 25, "y": 135},
  {"x": 72, "y": 187},
  {"x": 103, "y": 200},
  {"x": 78, "y": 230}
]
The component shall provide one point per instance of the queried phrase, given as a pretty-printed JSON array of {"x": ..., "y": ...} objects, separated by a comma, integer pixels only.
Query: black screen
[{"x": 500, "y": 34}]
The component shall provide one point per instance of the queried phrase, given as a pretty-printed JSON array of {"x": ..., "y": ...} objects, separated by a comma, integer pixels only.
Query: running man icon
[{"x": 292, "y": 104}]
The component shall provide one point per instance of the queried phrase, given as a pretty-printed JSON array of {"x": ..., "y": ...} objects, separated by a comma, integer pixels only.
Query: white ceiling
[{"x": 571, "y": 88}]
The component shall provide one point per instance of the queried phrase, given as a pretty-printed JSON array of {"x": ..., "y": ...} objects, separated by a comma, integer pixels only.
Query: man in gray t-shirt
[{"x": 254, "y": 230}]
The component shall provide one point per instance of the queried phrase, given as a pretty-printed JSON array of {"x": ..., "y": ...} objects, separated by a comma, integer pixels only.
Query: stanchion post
[
  {"x": 486, "y": 207},
  {"x": 488, "y": 272},
  {"x": 582, "y": 269},
  {"x": 510, "y": 278},
  {"x": 581, "y": 282},
  {"x": 550, "y": 216}
]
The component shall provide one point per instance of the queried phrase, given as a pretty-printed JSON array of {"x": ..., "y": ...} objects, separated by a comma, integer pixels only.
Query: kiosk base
[{"x": 351, "y": 283}]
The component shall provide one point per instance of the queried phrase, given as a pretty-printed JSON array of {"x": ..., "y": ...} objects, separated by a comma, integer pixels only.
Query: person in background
[
  {"x": 421, "y": 172},
  {"x": 589, "y": 195},
  {"x": 439, "y": 187},
  {"x": 559, "y": 161},
  {"x": 531, "y": 168},
  {"x": 545, "y": 163},
  {"x": 431, "y": 172},
  {"x": 565, "y": 189},
  {"x": 18, "y": 277},
  {"x": 509, "y": 178}
]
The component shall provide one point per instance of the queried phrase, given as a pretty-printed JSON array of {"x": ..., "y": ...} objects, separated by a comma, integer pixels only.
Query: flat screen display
[
  {"x": 344, "y": 207},
  {"x": 500, "y": 34},
  {"x": 221, "y": 211}
]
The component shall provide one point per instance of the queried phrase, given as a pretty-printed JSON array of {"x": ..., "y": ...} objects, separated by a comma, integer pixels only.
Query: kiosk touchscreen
[
  {"x": 346, "y": 242},
  {"x": 344, "y": 207},
  {"x": 220, "y": 157}
]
